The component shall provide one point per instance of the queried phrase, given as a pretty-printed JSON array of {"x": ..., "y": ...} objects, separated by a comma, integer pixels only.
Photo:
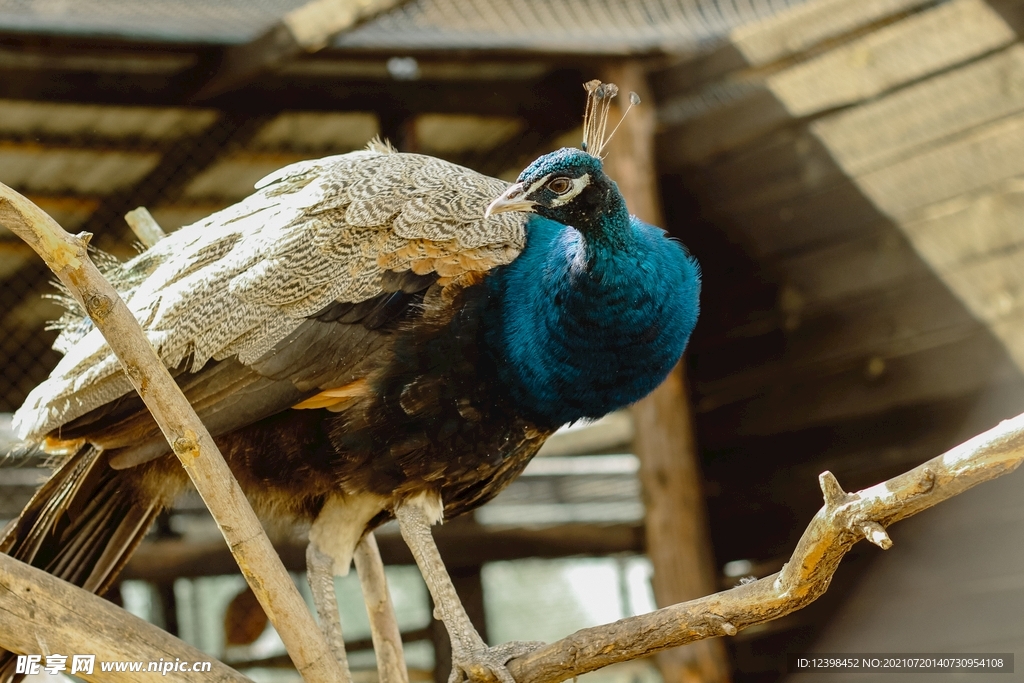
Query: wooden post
[{"x": 676, "y": 522}]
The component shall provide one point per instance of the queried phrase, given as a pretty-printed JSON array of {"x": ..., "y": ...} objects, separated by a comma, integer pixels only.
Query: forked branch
[{"x": 842, "y": 521}]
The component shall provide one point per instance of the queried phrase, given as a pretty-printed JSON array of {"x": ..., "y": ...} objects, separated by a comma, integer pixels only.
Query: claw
[{"x": 489, "y": 662}]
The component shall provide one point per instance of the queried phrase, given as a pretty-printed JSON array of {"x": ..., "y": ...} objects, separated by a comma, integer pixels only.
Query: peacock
[{"x": 369, "y": 336}]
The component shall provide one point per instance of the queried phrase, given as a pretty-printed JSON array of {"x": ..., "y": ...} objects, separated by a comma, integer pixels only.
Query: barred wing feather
[{"x": 240, "y": 281}]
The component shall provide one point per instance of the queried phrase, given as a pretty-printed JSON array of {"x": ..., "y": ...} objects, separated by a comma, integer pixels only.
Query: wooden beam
[
  {"x": 268, "y": 94},
  {"x": 676, "y": 524},
  {"x": 307, "y": 28},
  {"x": 870, "y": 387},
  {"x": 462, "y": 543}
]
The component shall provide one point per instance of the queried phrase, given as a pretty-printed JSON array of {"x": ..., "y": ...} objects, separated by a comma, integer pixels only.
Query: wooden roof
[
  {"x": 849, "y": 174},
  {"x": 574, "y": 26}
]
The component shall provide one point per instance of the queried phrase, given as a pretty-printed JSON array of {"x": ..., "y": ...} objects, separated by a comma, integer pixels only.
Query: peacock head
[{"x": 568, "y": 186}]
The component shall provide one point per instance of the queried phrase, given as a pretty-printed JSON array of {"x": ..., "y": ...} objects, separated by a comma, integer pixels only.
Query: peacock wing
[{"x": 258, "y": 283}]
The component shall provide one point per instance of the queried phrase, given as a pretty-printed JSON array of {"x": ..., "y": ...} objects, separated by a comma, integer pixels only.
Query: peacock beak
[{"x": 511, "y": 199}]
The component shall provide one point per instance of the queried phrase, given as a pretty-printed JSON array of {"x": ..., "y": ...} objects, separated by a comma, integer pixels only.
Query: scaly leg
[
  {"x": 387, "y": 639},
  {"x": 320, "y": 574},
  {"x": 471, "y": 658}
]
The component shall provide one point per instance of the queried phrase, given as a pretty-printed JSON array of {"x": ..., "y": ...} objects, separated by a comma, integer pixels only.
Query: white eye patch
[{"x": 577, "y": 186}]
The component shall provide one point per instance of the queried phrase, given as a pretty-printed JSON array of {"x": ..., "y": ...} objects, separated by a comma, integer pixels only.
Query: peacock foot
[{"x": 489, "y": 662}]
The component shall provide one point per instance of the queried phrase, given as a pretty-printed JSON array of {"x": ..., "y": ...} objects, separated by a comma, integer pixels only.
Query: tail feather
[
  {"x": 82, "y": 526},
  {"x": 120, "y": 547}
]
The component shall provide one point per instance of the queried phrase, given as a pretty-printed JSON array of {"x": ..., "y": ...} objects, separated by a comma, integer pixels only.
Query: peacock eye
[{"x": 559, "y": 185}]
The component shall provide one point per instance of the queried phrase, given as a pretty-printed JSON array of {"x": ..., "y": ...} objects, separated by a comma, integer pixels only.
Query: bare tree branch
[
  {"x": 191, "y": 442},
  {"x": 387, "y": 638},
  {"x": 845, "y": 519},
  {"x": 41, "y": 614},
  {"x": 144, "y": 226}
]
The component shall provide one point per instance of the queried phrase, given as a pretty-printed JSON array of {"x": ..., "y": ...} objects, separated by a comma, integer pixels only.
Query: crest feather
[{"x": 595, "y": 118}]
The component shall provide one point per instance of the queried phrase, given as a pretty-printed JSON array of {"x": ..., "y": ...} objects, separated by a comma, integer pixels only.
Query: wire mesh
[{"x": 592, "y": 26}]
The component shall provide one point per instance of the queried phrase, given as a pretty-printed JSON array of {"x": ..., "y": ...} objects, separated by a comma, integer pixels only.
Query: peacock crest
[{"x": 595, "y": 118}]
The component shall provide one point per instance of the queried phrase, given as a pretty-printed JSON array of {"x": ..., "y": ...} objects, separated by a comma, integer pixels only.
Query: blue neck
[{"x": 579, "y": 326}]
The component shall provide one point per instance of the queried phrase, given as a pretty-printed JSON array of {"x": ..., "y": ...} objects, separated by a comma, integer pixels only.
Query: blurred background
[{"x": 850, "y": 174}]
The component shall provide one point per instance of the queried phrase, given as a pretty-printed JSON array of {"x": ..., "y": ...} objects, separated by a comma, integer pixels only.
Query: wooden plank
[
  {"x": 977, "y": 172},
  {"x": 799, "y": 160},
  {"x": 793, "y": 228},
  {"x": 798, "y": 29},
  {"x": 802, "y": 27},
  {"x": 976, "y": 245},
  {"x": 872, "y": 261},
  {"x": 853, "y": 337},
  {"x": 943, "y": 372},
  {"x": 970, "y": 163},
  {"x": 794, "y": 290},
  {"x": 711, "y": 123},
  {"x": 796, "y": 161},
  {"x": 1010, "y": 330},
  {"x": 877, "y": 133},
  {"x": 305, "y": 29},
  {"x": 992, "y": 288},
  {"x": 462, "y": 543},
  {"x": 786, "y": 163},
  {"x": 970, "y": 227},
  {"x": 922, "y": 44},
  {"x": 806, "y": 222}
]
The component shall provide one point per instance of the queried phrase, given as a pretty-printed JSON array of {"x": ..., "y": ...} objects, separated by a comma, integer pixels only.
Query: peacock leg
[
  {"x": 471, "y": 658},
  {"x": 320, "y": 574},
  {"x": 387, "y": 639}
]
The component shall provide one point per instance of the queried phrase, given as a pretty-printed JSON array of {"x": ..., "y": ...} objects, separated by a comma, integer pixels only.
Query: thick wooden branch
[
  {"x": 191, "y": 442},
  {"x": 307, "y": 28},
  {"x": 845, "y": 519},
  {"x": 40, "y": 614}
]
